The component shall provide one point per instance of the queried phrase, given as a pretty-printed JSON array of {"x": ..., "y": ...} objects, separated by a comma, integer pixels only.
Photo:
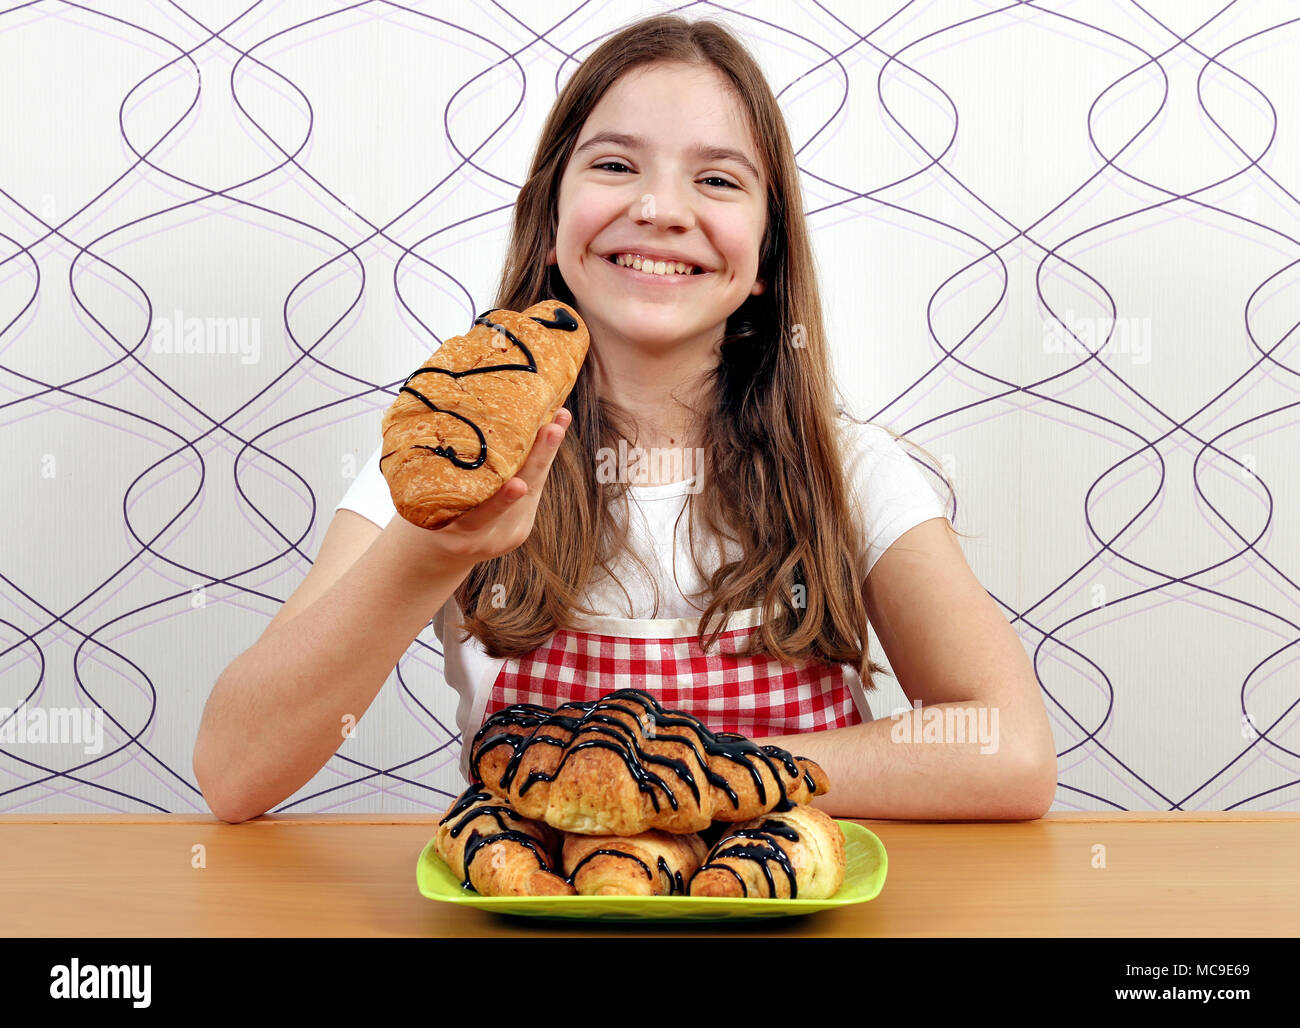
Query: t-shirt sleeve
[
  {"x": 368, "y": 494},
  {"x": 889, "y": 488}
]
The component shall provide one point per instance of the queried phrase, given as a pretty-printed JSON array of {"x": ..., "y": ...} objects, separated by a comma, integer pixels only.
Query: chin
[{"x": 661, "y": 339}]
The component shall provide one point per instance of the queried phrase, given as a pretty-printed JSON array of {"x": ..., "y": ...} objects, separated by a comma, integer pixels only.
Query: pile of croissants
[{"x": 617, "y": 797}]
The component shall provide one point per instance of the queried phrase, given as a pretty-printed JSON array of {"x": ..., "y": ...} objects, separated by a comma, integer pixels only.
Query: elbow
[
  {"x": 230, "y": 815},
  {"x": 223, "y": 802},
  {"x": 224, "y": 810},
  {"x": 221, "y": 806},
  {"x": 1033, "y": 787},
  {"x": 214, "y": 766},
  {"x": 227, "y": 808}
]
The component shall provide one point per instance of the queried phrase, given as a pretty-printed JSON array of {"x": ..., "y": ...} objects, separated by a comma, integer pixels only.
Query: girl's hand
[{"x": 500, "y": 523}]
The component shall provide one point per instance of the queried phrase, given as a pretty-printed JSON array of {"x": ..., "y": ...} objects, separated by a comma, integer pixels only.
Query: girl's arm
[
  {"x": 278, "y": 712},
  {"x": 991, "y": 755}
]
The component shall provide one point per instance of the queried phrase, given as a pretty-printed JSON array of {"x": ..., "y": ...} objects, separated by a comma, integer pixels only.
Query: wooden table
[{"x": 1165, "y": 875}]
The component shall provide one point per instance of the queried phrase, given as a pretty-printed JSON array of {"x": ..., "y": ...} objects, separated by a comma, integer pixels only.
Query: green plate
[{"x": 863, "y": 879}]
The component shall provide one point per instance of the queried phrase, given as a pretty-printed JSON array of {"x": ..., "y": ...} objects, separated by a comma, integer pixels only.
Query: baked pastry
[
  {"x": 650, "y": 864},
  {"x": 494, "y": 850},
  {"x": 796, "y": 854},
  {"x": 623, "y": 765},
  {"x": 464, "y": 422}
]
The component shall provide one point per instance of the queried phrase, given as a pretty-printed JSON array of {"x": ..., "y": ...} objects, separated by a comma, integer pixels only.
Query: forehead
[{"x": 672, "y": 107}]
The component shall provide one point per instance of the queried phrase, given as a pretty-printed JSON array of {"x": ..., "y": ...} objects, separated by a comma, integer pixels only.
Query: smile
[{"x": 645, "y": 276}]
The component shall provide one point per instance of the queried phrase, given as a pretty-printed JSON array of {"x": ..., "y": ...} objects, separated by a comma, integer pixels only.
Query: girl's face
[{"x": 664, "y": 167}]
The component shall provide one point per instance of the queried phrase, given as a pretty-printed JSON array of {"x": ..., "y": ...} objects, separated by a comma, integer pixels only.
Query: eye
[{"x": 610, "y": 165}]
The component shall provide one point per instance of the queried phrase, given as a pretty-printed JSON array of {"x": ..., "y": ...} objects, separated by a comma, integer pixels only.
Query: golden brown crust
[
  {"x": 650, "y": 864},
  {"x": 509, "y": 406},
  {"x": 508, "y": 855},
  {"x": 523, "y": 785},
  {"x": 624, "y": 765},
  {"x": 750, "y": 786},
  {"x": 796, "y": 854}
]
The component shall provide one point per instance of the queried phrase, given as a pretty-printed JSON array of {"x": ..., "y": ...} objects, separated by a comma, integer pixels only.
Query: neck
[{"x": 663, "y": 393}]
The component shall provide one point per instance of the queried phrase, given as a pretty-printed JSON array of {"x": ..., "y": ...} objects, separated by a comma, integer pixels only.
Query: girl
[{"x": 663, "y": 204}]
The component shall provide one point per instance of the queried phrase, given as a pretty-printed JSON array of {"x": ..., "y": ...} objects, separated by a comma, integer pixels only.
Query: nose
[{"x": 663, "y": 203}]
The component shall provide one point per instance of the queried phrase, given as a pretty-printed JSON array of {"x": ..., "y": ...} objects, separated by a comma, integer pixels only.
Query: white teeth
[{"x": 653, "y": 267}]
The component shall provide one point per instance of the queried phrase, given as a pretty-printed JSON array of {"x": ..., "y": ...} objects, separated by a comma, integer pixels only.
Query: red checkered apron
[{"x": 755, "y": 696}]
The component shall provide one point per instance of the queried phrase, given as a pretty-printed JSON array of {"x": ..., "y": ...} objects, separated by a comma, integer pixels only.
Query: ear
[
  {"x": 758, "y": 286},
  {"x": 550, "y": 256}
]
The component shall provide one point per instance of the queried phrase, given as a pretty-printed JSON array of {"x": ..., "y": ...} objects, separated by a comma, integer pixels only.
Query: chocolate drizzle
[
  {"x": 676, "y": 886},
  {"x": 760, "y": 845},
  {"x": 473, "y": 804},
  {"x": 593, "y": 725},
  {"x": 561, "y": 319}
]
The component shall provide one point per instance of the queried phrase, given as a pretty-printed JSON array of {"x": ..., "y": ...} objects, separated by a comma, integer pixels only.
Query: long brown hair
[{"x": 776, "y": 482}]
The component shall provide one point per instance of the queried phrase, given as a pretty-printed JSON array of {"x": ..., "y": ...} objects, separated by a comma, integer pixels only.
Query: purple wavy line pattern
[{"x": 1059, "y": 250}]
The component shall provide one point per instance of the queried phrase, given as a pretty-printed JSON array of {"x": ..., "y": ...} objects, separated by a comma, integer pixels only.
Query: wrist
[{"x": 420, "y": 557}]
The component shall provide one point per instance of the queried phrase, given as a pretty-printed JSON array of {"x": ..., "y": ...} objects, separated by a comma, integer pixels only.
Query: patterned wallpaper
[{"x": 1058, "y": 243}]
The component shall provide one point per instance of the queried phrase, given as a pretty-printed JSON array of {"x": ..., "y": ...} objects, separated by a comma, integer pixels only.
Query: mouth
[{"x": 664, "y": 277}]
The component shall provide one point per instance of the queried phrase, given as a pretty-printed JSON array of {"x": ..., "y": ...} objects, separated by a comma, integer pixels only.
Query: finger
[{"x": 541, "y": 456}]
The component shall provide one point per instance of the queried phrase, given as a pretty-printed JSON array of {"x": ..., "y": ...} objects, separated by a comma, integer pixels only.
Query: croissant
[
  {"x": 492, "y": 848},
  {"x": 464, "y": 422},
  {"x": 623, "y": 765},
  {"x": 651, "y": 864},
  {"x": 795, "y": 854}
]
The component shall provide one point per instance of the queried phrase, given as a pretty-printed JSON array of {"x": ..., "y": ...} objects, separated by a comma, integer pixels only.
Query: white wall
[{"x": 1008, "y": 164}]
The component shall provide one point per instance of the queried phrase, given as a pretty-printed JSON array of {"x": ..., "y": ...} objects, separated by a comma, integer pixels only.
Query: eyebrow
[{"x": 704, "y": 150}]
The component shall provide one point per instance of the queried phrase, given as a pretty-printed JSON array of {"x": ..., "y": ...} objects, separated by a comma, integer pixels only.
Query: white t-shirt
[{"x": 887, "y": 489}]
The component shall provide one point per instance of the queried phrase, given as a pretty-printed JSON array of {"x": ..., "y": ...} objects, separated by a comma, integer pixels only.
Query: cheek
[
  {"x": 567, "y": 211},
  {"x": 581, "y": 217},
  {"x": 742, "y": 235},
  {"x": 742, "y": 243}
]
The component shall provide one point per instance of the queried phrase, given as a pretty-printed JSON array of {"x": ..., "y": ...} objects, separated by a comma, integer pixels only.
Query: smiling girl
[{"x": 663, "y": 204}]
